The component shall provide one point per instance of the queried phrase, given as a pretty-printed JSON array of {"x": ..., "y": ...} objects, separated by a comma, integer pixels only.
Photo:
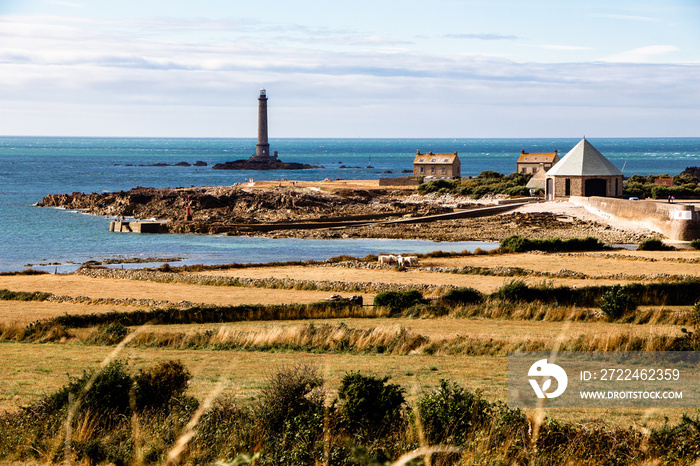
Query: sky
[{"x": 360, "y": 68}]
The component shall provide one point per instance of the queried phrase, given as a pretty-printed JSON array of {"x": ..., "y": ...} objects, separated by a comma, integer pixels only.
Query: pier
[{"x": 121, "y": 226}]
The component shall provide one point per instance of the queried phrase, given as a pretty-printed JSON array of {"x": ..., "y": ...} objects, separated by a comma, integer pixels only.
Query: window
[
  {"x": 567, "y": 187},
  {"x": 432, "y": 169},
  {"x": 443, "y": 170},
  {"x": 421, "y": 169}
]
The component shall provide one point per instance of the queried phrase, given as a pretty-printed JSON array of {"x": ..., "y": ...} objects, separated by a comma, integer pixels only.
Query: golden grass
[
  {"x": 510, "y": 330},
  {"x": 615, "y": 262},
  {"x": 31, "y": 371},
  {"x": 25, "y": 312},
  {"x": 77, "y": 285}
]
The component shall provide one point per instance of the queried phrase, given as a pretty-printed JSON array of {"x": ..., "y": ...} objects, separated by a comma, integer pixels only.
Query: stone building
[
  {"x": 583, "y": 171},
  {"x": 535, "y": 162},
  {"x": 437, "y": 165}
]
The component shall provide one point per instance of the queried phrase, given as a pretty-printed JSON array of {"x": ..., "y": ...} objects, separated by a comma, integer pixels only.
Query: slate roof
[
  {"x": 537, "y": 157},
  {"x": 434, "y": 158},
  {"x": 538, "y": 180},
  {"x": 584, "y": 160}
]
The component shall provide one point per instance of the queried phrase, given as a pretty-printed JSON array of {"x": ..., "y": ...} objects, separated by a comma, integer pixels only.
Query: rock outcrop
[{"x": 262, "y": 165}]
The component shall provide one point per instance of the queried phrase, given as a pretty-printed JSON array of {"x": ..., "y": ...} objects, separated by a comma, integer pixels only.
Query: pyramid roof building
[{"x": 584, "y": 160}]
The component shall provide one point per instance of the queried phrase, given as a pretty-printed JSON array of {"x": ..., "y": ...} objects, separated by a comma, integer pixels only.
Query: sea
[{"x": 58, "y": 240}]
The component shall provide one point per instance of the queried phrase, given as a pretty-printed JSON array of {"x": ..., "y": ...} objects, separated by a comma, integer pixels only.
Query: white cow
[
  {"x": 387, "y": 259},
  {"x": 408, "y": 261}
]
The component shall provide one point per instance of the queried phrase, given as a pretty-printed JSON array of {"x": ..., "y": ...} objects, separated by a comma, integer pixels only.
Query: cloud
[
  {"x": 485, "y": 36},
  {"x": 641, "y": 54},
  {"x": 644, "y": 19},
  {"x": 563, "y": 48},
  {"x": 95, "y": 64}
]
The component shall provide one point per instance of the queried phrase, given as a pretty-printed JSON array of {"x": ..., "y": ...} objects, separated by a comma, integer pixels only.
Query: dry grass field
[{"x": 31, "y": 370}]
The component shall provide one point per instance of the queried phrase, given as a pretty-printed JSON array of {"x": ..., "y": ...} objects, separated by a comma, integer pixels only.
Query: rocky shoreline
[{"x": 300, "y": 212}]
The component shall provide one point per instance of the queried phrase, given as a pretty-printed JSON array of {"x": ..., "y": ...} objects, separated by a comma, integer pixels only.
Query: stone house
[
  {"x": 534, "y": 162},
  {"x": 665, "y": 181},
  {"x": 583, "y": 171},
  {"x": 437, "y": 165}
]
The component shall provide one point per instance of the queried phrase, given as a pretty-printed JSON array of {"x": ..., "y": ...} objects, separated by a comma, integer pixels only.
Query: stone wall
[
  {"x": 676, "y": 221},
  {"x": 578, "y": 185},
  {"x": 400, "y": 181}
]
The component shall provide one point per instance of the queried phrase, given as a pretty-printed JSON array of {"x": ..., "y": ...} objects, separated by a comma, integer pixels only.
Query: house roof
[
  {"x": 537, "y": 157},
  {"x": 432, "y": 159},
  {"x": 584, "y": 160},
  {"x": 537, "y": 181}
]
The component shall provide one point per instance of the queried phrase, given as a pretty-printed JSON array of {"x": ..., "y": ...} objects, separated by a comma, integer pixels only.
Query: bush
[
  {"x": 369, "y": 406},
  {"x": 108, "y": 393},
  {"x": 465, "y": 295},
  {"x": 435, "y": 186},
  {"x": 110, "y": 334},
  {"x": 156, "y": 386},
  {"x": 290, "y": 411},
  {"x": 515, "y": 291},
  {"x": 290, "y": 393},
  {"x": 654, "y": 244},
  {"x": 615, "y": 303},
  {"x": 519, "y": 244},
  {"x": 695, "y": 244},
  {"x": 8, "y": 295},
  {"x": 450, "y": 413},
  {"x": 397, "y": 301}
]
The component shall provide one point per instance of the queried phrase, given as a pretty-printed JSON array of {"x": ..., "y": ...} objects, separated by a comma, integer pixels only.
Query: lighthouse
[{"x": 262, "y": 148}]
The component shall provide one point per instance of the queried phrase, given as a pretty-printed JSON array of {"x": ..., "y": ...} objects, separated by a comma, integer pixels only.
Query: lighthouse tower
[{"x": 262, "y": 148}]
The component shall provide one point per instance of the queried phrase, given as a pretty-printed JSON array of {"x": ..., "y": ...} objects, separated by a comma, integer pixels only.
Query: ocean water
[{"x": 32, "y": 167}]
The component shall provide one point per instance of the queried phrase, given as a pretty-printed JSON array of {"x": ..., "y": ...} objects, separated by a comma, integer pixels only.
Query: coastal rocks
[
  {"x": 198, "y": 163},
  {"x": 262, "y": 165},
  {"x": 283, "y": 212},
  {"x": 235, "y": 209}
]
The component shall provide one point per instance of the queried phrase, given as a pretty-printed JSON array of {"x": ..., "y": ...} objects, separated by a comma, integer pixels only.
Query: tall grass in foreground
[
  {"x": 340, "y": 338},
  {"x": 296, "y": 421}
]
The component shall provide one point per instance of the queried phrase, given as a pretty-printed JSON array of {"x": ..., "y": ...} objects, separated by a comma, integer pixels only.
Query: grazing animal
[
  {"x": 387, "y": 259},
  {"x": 408, "y": 261}
]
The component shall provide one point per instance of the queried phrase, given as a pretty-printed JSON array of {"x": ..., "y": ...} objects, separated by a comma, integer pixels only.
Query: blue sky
[{"x": 444, "y": 68}]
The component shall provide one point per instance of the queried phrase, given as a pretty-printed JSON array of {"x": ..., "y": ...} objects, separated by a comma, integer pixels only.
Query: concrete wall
[
  {"x": 135, "y": 227},
  {"x": 674, "y": 220}
]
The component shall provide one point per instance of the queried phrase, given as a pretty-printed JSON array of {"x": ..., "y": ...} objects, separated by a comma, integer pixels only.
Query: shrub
[
  {"x": 465, "y": 295},
  {"x": 8, "y": 295},
  {"x": 156, "y": 386},
  {"x": 519, "y": 244},
  {"x": 435, "y": 186},
  {"x": 514, "y": 291},
  {"x": 108, "y": 394},
  {"x": 450, "y": 413},
  {"x": 397, "y": 301},
  {"x": 369, "y": 406},
  {"x": 615, "y": 303},
  {"x": 654, "y": 244},
  {"x": 695, "y": 244},
  {"x": 290, "y": 393},
  {"x": 290, "y": 411},
  {"x": 110, "y": 334}
]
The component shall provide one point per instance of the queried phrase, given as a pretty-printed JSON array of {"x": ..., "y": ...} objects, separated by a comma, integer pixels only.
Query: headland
[{"x": 345, "y": 209}]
